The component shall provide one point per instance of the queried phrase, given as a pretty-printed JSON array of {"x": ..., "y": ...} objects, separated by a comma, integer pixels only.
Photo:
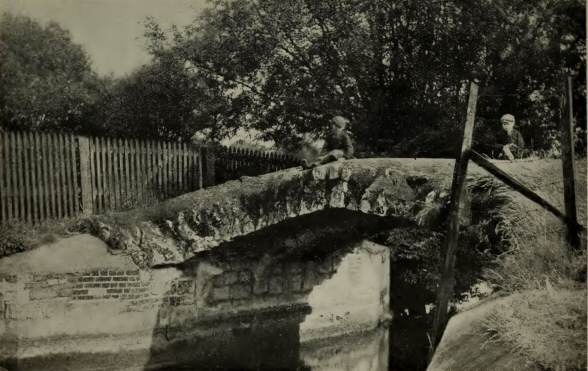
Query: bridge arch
[{"x": 177, "y": 229}]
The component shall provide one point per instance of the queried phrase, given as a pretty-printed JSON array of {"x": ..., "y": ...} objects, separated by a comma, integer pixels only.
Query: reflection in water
[{"x": 319, "y": 311}]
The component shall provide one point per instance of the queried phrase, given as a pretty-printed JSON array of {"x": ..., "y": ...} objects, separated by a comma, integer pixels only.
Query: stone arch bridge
[{"x": 393, "y": 189}]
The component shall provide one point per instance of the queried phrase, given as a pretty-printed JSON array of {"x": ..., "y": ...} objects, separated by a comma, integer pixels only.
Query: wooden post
[
  {"x": 208, "y": 163},
  {"x": 569, "y": 170},
  {"x": 451, "y": 239},
  {"x": 85, "y": 176}
]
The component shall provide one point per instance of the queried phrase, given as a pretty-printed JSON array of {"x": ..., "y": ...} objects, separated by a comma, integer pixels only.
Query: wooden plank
[
  {"x": 68, "y": 185},
  {"x": 189, "y": 174},
  {"x": 11, "y": 175},
  {"x": 85, "y": 176},
  {"x": 53, "y": 170},
  {"x": 174, "y": 169},
  {"x": 43, "y": 177},
  {"x": 125, "y": 175},
  {"x": 21, "y": 188},
  {"x": 141, "y": 166},
  {"x": 130, "y": 171},
  {"x": 178, "y": 168},
  {"x": 32, "y": 159},
  {"x": 165, "y": 169},
  {"x": 199, "y": 168},
  {"x": 38, "y": 178},
  {"x": 114, "y": 167},
  {"x": 15, "y": 183},
  {"x": 151, "y": 178},
  {"x": 208, "y": 168},
  {"x": 3, "y": 176},
  {"x": 137, "y": 171},
  {"x": 101, "y": 175},
  {"x": 445, "y": 290},
  {"x": 58, "y": 173},
  {"x": 181, "y": 167},
  {"x": 28, "y": 186},
  {"x": 154, "y": 171},
  {"x": 569, "y": 167},
  {"x": 92, "y": 159},
  {"x": 159, "y": 170},
  {"x": 66, "y": 188},
  {"x": 110, "y": 174},
  {"x": 148, "y": 171}
]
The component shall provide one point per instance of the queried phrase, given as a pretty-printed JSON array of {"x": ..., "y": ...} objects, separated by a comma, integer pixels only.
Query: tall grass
[{"x": 544, "y": 320}]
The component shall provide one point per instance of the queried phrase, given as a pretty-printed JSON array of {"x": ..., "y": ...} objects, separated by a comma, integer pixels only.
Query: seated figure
[
  {"x": 509, "y": 143},
  {"x": 338, "y": 144}
]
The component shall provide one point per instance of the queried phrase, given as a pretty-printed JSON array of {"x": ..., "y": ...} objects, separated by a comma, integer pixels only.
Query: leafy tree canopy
[
  {"x": 398, "y": 69},
  {"x": 166, "y": 100},
  {"x": 46, "y": 81}
]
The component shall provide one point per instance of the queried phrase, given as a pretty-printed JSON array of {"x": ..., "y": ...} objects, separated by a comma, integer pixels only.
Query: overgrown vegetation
[
  {"x": 546, "y": 320},
  {"x": 21, "y": 236},
  {"x": 515, "y": 247},
  {"x": 398, "y": 69},
  {"x": 546, "y": 326}
]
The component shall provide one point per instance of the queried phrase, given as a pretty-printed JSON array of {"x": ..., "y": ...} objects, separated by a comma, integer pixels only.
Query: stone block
[
  {"x": 260, "y": 288},
  {"x": 296, "y": 283},
  {"x": 65, "y": 292},
  {"x": 220, "y": 293},
  {"x": 42, "y": 293},
  {"x": 295, "y": 268},
  {"x": 240, "y": 291},
  {"x": 276, "y": 285},
  {"x": 245, "y": 276}
]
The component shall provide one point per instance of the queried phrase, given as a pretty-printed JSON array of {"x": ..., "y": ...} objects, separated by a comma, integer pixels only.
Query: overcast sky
[{"x": 110, "y": 30}]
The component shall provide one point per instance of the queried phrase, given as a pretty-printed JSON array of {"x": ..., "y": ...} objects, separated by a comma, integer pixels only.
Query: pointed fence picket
[{"x": 48, "y": 176}]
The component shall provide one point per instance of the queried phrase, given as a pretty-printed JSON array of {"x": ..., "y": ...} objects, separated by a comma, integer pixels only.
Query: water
[
  {"x": 340, "y": 322},
  {"x": 325, "y": 306}
]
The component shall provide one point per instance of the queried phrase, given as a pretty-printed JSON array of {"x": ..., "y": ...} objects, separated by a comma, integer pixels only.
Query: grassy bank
[{"x": 546, "y": 321}]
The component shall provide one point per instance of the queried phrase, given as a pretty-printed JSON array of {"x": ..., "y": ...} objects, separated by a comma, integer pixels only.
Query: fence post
[
  {"x": 85, "y": 176},
  {"x": 451, "y": 239},
  {"x": 568, "y": 165},
  {"x": 208, "y": 161}
]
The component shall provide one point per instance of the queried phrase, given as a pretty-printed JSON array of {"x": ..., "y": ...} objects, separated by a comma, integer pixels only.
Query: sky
[{"x": 110, "y": 30}]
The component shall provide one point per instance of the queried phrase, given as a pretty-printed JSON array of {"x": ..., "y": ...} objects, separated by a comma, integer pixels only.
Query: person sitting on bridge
[
  {"x": 338, "y": 144},
  {"x": 509, "y": 143}
]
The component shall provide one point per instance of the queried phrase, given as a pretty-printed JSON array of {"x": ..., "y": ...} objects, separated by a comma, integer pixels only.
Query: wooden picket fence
[
  {"x": 38, "y": 176},
  {"x": 125, "y": 173},
  {"x": 46, "y": 176},
  {"x": 53, "y": 176},
  {"x": 234, "y": 162}
]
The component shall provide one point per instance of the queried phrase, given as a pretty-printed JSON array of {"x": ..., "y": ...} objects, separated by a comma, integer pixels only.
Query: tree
[
  {"x": 398, "y": 69},
  {"x": 46, "y": 81},
  {"x": 163, "y": 99}
]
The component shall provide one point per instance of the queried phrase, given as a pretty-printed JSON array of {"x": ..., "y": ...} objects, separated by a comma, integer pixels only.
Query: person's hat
[
  {"x": 340, "y": 121},
  {"x": 507, "y": 118}
]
